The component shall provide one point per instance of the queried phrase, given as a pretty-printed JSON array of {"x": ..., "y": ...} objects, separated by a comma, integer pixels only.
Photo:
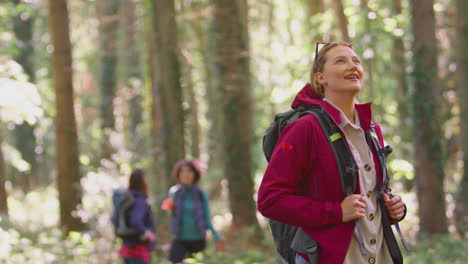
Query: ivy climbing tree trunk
[
  {"x": 171, "y": 90},
  {"x": 68, "y": 171},
  {"x": 108, "y": 13},
  {"x": 24, "y": 138},
  {"x": 461, "y": 206},
  {"x": 233, "y": 62},
  {"x": 429, "y": 174}
]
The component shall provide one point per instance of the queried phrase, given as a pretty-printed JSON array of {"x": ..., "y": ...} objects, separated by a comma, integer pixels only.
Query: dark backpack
[
  {"x": 122, "y": 200},
  {"x": 291, "y": 239}
]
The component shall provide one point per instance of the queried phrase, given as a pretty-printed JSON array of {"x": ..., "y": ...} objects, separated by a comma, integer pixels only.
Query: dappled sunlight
[{"x": 35, "y": 210}]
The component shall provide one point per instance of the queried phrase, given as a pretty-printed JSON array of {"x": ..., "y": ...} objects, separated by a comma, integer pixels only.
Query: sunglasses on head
[{"x": 324, "y": 45}]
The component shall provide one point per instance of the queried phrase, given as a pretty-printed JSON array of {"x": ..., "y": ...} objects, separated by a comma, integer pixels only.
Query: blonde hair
[{"x": 319, "y": 63}]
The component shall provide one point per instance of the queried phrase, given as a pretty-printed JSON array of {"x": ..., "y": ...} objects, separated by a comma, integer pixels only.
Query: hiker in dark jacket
[
  {"x": 303, "y": 163},
  {"x": 137, "y": 249},
  {"x": 190, "y": 212}
]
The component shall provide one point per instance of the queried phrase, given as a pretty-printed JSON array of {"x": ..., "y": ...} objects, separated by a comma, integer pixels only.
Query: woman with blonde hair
[{"x": 348, "y": 229}]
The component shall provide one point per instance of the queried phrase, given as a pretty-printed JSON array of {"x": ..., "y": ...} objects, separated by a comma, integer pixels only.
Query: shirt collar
[{"x": 344, "y": 119}]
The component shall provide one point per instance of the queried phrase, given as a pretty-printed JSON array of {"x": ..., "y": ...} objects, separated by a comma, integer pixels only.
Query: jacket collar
[{"x": 307, "y": 96}]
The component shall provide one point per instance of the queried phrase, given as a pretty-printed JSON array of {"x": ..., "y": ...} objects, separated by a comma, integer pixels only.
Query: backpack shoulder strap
[
  {"x": 345, "y": 162},
  {"x": 382, "y": 153},
  {"x": 347, "y": 167}
]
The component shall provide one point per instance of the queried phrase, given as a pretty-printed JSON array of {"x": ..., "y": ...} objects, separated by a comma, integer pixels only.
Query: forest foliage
[{"x": 279, "y": 38}]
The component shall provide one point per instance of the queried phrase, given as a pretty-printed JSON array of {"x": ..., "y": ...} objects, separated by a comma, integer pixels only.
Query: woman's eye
[
  {"x": 357, "y": 61},
  {"x": 340, "y": 60}
]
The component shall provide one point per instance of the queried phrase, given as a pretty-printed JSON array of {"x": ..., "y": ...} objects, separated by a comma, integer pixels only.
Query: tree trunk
[
  {"x": 461, "y": 207},
  {"x": 427, "y": 125},
  {"x": 108, "y": 12},
  {"x": 205, "y": 35},
  {"x": 133, "y": 78},
  {"x": 399, "y": 69},
  {"x": 156, "y": 110},
  {"x": 233, "y": 62},
  {"x": 194, "y": 122},
  {"x": 171, "y": 91},
  {"x": 369, "y": 62},
  {"x": 25, "y": 140},
  {"x": 68, "y": 174},
  {"x": 315, "y": 7},
  {"x": 3, "y": 193},
  {"x": 342, "y": 20}
]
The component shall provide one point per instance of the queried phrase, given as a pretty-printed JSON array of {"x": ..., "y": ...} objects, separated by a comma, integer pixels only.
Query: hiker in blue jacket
[
  {"x": 190, "y": 212},
  {"x": 136, "y": 249}
]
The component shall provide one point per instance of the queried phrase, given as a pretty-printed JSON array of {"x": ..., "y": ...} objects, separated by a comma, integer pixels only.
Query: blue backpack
[{"x": 122, "y": 201}]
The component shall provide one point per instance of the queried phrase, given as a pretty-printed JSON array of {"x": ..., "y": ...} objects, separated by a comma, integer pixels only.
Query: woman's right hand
[{"x": 353, "y": 207}]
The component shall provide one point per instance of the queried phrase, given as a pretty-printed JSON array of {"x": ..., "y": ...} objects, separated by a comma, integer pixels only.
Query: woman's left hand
[{"x": 395, "y": 206}]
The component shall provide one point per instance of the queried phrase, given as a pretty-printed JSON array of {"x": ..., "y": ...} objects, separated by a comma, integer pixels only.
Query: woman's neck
[{"x": 345, "y": 104}]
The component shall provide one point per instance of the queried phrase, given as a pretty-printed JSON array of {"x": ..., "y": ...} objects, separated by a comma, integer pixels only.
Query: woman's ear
[{"x": 320, "y": 78}]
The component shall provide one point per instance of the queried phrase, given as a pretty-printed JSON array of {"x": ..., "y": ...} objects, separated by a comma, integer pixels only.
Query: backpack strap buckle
[{"x": 352, "y": 169}]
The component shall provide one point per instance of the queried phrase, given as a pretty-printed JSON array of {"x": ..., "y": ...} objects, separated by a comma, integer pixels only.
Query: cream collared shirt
[{"x": 371, "y": 227}]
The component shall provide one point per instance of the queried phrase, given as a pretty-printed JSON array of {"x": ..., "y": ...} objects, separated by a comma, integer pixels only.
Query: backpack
[
  {"x": 122, "y": 200},
  {"x": 291, "y": 239}
]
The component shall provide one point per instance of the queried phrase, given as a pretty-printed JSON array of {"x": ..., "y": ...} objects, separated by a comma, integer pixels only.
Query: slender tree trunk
[
  {"x": 369, "y": 62},
  {"x": 133, "y": 71},
  {"x": 65, "y": 124},
  {"x": 314, "y": 7},
  {"x": 342, "y": 20},
  {"x": 156, "y": 111},
  {"x": 461, "y": 207},
  {"x": 427, "y": 126},
  {"x": 194, "y": 122},
  {"x": 3, "y": 193},
  {"x": 399, "y": 69},
  {"x": 204, "y": 32},
  {"x": 25, "y": 140},
  {"x": 108, "y": 11},
  {"x": 171, "y": 91},
  {"x": 233, "y": 61}
]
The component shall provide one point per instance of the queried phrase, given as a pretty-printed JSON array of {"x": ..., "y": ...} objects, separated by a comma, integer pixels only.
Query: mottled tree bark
[
  {"x": 233, "y": 62},
  {"x": 108, "y": 13},
  {"x": 429, "y": 174},
  {"x": 160, "y": 175},
  {"x": 133, "y": 74},
  {"x": 399, "y": 69},
  {"x": 68, "y": 171},
  {"x": 24, "y": 138},
  {"x": 171, "y": 91},
  {"x": 461, "y": 207}
]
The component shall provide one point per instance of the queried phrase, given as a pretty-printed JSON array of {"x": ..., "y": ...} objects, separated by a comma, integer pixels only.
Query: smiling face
[
  {"x": 186, "y": 176},
  {"x": 342, "y": 72}
]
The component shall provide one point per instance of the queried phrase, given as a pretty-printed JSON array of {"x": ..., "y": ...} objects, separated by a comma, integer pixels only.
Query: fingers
[
  {"x": 395, "y": 206},
  {"x": 359, "y": 205},
  {"x": 386, "y": 198}
]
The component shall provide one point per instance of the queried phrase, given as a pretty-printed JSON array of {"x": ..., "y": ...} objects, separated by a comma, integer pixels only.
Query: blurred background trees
[{"x": 90, "y": 89}]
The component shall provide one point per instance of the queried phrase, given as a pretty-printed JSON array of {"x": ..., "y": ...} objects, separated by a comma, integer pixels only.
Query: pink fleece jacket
[{"x": 303, "y": 163}]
